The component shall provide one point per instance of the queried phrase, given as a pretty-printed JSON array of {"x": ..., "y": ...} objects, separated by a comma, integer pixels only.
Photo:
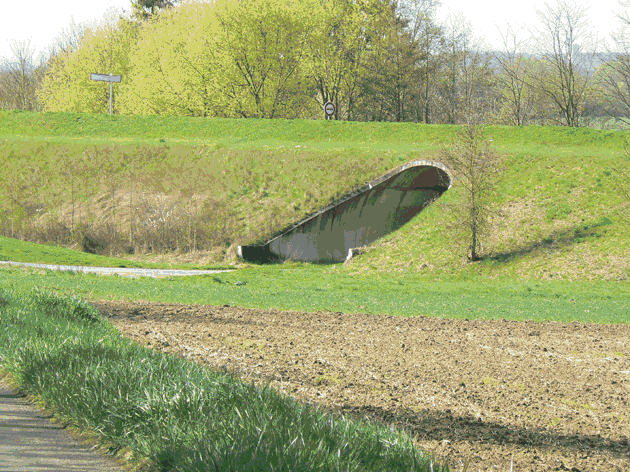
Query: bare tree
[
  {"x": 614, "y": 75},
  {"x": 429, "y": 42},
  {"x": 466, "y": 76},
  {"x": 514, "y": 88},
  {"x": 476, "y": 170},
  {"x": 565, "y": 41},
  {"x": 20, "y": 80}
]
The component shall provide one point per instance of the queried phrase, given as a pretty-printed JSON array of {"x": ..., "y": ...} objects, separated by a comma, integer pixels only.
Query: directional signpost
[
  {"x": 107, "y": 78},
  {"x": 329, "y": 109}
]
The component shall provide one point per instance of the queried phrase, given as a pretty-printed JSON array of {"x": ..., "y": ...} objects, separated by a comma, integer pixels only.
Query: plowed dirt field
[{"x": 541, "y": 396}]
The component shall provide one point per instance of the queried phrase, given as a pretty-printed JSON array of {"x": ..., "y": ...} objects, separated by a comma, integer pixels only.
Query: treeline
[{"x": 381, "y": 60}]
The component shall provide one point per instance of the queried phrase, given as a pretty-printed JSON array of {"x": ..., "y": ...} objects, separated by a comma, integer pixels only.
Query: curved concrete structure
[{"x": 359, "y": 218}]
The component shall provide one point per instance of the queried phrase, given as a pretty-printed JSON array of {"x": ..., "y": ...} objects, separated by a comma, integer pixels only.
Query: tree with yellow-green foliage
[
  {"x": 337, "y": 45},
  {"x": 67, "y": 85},
  {"x": 177, "y": 65},
  {"x": 244, "y": 58},
  {"x": 226, "y": 59},
  {"x": 265, "y": 41}
]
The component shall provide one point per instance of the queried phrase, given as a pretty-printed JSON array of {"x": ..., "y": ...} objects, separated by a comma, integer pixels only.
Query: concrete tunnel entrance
[{"x": 357, "y": 219}]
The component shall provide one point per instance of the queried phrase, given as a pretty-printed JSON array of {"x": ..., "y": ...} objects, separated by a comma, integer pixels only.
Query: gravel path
[{"x": 122, "y": 271}]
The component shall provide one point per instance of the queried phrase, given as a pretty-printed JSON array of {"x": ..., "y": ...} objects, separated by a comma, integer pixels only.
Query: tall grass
[{"x": 178, "y": 415}]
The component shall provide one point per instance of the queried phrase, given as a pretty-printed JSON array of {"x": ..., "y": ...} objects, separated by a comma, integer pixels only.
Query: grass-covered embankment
[
  {"x": 173, "y": 414},
  {"x": 163, "y": 184},
  {"x": 256, "y": 133}
]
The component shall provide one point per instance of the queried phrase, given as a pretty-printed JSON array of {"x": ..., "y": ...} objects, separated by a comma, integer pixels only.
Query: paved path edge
[{"x": 53, "y": 441}]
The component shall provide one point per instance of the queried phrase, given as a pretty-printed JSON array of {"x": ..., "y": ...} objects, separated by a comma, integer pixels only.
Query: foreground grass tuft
[{"x": 179, "y": 415}]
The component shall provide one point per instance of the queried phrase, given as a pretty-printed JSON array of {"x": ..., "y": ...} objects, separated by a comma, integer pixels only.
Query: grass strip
[
  {"x": 257, "y": 132},
  {"x": 312, "y": 288},
  {"x": 179, "y": 415},
  {"x": 15, "y": 250}
]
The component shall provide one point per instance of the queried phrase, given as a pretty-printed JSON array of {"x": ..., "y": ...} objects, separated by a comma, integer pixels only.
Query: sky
[{"x": 42, "y": 21}]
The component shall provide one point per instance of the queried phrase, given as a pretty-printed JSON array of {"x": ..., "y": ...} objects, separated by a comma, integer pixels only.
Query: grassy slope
[
  {"x": 258, "y": 132},
  {"x": 20, "y": 251},
  {"x": 557, "y": 197}
]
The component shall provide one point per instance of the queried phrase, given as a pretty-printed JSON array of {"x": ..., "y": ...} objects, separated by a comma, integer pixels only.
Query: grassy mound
[{"x": 198, "y": 187}]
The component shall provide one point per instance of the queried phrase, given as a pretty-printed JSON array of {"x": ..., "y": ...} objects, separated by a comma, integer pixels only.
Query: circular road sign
[{"x": 329, "y": 108}]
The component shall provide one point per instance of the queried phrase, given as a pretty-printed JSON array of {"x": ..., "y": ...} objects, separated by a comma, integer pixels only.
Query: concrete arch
[{"x": 359, "y": 218}]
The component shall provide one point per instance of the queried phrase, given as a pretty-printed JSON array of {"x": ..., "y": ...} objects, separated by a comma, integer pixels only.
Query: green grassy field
[{"x": 316, "y": 288}]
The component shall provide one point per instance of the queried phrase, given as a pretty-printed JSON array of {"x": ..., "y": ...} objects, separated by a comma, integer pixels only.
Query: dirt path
[{"x": 549, "y": 396}]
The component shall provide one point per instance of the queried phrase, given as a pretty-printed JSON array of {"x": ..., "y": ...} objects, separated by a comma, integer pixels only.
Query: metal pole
[{"x": 110, "y": 94}]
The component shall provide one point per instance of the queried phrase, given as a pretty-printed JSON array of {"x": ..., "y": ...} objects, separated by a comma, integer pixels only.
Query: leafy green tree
[
  {"x": 390, "y": 84},
  {"x": 145, "y": 9},
  {"x": 176, "y": 64},
  {"x": 336, "y": 57},
  {"x": 227, "y": 59},
  {"x": 265, "y": 41},
  {"x": 430, "y": 44}
]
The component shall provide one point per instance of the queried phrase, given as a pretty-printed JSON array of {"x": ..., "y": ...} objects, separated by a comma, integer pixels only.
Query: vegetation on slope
[
  {"x": 12, "y": 249},
  {"x": 216, "y": 183}
]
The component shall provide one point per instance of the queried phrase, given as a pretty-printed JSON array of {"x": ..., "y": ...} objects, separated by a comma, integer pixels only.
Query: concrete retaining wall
[{"x": 359, "y": 218}]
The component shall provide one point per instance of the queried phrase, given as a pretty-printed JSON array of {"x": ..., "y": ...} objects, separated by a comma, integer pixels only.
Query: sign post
[
  {"x": 107, "y": 78},
  {"x": 329, "y": 110}
]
